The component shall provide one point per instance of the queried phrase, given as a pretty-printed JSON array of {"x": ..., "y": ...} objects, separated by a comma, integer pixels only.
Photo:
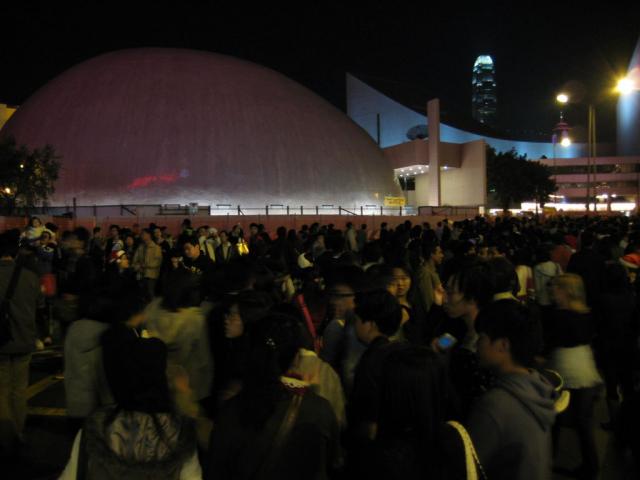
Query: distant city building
[{"x": 484, "y": 99}]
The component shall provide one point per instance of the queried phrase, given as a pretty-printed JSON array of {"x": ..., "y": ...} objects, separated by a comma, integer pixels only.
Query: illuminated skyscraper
[{"x": 483, "y": 100}]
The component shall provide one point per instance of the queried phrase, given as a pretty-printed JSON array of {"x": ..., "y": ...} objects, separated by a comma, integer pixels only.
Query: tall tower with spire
[{"x": 484, "y": 100}]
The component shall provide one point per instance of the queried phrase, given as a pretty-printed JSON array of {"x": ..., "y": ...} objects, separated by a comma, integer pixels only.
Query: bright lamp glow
[
  {"x": 625, "y": 86},
  {"x": 562, "y": 98},
  {"x": 566, "y": 142}
]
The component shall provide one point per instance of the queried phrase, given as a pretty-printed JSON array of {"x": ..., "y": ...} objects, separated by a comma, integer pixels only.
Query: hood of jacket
[{"x": 535, "y": 393}]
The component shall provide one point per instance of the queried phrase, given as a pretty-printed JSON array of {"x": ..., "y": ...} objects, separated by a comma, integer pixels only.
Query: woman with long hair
[
  {"x": 276, "y": 427},
  {"x": 141, "y": 436},
  {"x": 230, "y": 324},
  {"x": 398, "y": 282}
]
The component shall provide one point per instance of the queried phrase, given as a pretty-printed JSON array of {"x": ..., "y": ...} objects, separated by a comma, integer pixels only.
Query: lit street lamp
[{"x": 624, "y": 86}]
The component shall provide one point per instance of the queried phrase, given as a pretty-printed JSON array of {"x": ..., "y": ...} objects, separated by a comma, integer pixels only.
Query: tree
[
  {"x": 543, "y": 185},
  {"x": 27, "y": 177},
  {"x": 512, "y": 178}
]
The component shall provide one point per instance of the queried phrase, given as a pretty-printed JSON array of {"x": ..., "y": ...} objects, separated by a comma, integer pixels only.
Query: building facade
[{"x": 614, "y": 181}]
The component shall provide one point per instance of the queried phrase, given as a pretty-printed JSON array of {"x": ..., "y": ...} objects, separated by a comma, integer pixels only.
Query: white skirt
[{"x": 577, "y": 366}]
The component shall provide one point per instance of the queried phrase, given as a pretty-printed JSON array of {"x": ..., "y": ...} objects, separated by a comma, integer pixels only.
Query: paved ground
[{"x": 49, "y": 437}]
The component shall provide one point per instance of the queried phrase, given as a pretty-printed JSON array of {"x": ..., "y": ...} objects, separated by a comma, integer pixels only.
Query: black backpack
[{"x": 5, "y": 310}]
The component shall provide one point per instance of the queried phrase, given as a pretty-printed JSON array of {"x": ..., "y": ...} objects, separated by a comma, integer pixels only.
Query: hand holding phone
[{"x": 446, "y": 341}]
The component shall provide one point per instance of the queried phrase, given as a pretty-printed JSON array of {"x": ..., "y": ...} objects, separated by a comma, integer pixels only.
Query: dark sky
[{"x": 424, "y": 48}]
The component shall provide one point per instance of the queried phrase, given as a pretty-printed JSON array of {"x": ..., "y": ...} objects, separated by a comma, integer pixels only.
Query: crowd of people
[{"x": 420, "y": 351}]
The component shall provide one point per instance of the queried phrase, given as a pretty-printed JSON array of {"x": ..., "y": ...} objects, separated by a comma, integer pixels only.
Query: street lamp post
[{"x": 624, "y": 87}]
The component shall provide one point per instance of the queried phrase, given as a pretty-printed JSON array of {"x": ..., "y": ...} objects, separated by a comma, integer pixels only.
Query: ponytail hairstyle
[{"x": 274, "y": 343}]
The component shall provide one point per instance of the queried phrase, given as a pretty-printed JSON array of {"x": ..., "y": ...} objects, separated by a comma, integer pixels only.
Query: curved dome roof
[{"x": 159, "y": 126}]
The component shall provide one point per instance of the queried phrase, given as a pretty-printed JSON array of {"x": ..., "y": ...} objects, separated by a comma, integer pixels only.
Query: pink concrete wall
[{"x": 271, "y": 223}]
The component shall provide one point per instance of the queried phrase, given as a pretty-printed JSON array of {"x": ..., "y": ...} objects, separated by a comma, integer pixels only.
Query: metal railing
[
  {"x": 447, "y": 211},
  {"x": 129, "y": 210}
]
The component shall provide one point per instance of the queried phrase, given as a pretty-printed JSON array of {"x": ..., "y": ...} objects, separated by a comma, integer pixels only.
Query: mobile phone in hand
[{"x": 446, "y": 341}]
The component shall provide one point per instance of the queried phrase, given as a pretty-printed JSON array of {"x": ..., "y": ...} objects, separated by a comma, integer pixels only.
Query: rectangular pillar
[{"x": 433, "y": 123}]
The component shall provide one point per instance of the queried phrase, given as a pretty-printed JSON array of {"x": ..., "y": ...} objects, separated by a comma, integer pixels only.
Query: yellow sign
[{"x": 394, "y": 201}]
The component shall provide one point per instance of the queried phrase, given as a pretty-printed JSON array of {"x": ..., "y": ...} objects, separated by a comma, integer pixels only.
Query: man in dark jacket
[
  {"x": 589, "y": 264},
  {"x": 199, "y": 264},
  {"x": 17, "y": 346},
  {"x": 377, "y": 317}
]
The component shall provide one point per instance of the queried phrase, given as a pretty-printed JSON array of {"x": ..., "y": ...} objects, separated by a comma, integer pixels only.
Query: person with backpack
[
  {"x": 20, "y": 296},
  {"x": 543, "y": 272}
]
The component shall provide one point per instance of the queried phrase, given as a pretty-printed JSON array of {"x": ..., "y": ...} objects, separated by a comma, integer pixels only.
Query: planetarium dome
[{"x": 159, "y": 126}]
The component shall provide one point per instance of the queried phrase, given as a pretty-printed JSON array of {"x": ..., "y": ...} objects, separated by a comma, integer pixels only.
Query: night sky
[{"x": 426, "y": 50}]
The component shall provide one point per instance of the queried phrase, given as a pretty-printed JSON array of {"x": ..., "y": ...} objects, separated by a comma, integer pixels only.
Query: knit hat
[
  {"x": 631, "y": 261},
  {"x": 116, "y": 256}
]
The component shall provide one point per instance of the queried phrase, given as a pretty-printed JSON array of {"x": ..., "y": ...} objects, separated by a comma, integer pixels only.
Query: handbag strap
[
  {"x": 83, "y": 457},
  {"x": 283, "y": 432},
  {"x": 13, "y": 283},
  {"x": 472, "y": 461}
]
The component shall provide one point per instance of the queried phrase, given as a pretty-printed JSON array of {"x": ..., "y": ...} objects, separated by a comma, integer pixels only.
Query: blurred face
[
  {"x": 175, "y": 262},
  {"x": 365, "y": 331},
  {"x": 114, "y": 232},
  {"x": 124, "y": 262},
  {"x": 341, "y": 301},
  {"x": 223, "y": 237},
  {"x": 146, "y": 238},
  {"x": 491, "y": 353},
  {"x": 558, "y": 295},
  {"x": 483, "y": 252},
  {"x": 35, "y": 223},
  {"x": 202, "y": 232},
  {"x": 402, "y": 282},
  {"x": 254, "y": 230},
  {"x": 233, "y": 326},
  {"x": 191, "y": 251},
  {"x": 437, "y": 256},
  {"x": 157, "y": 234},
  {"x": 129, "y": 241},
  {"x": 455, "y": 304}
]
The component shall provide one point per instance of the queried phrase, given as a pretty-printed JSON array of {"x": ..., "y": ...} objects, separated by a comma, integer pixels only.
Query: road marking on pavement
[
  {"x": 41, "y": 386},
  {"x": 48, "y": 412}
]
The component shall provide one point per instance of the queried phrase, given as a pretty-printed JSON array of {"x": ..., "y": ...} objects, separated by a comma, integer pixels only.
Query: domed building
[{"x": 169, "y": 126}]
